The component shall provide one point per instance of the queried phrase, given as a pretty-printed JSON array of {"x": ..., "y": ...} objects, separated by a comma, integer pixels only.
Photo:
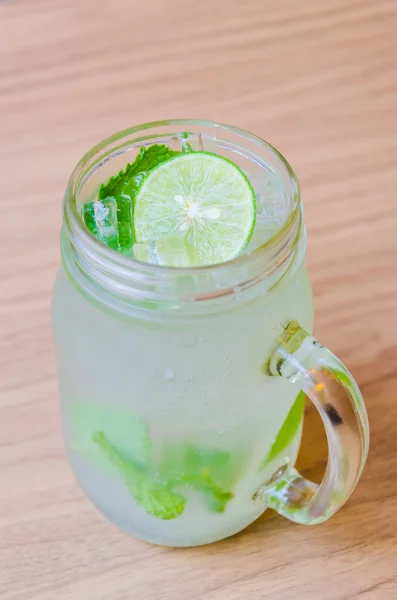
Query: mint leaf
[
  {"x": 124, "y": 222},
  {"x": 288, "y": 429},
  {"x": 196, "y": 460},
  {"x": 204, "y": 470},
  {"x": 343, "y": 377},
  {"x": 217, "y": 497},
  {"x": 128, "y": 181},
  {"x": 210, "y": 472},
  {"x": 117, "y": 197},
  {"x": 122, "y": 428},
  {"x": 154, "y": 497}
]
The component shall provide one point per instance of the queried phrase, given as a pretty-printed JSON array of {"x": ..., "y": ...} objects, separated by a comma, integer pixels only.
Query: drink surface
[
  {"x": 171, "y": 425},
  {"x": 186, "y": 207}
]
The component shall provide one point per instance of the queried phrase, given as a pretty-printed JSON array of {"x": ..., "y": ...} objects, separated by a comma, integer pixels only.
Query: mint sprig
[
  {"x": 154, "y": 497},
  {"x": 128, "y": 181},
  {"x": 288, "y": 429},
  {"x": 212, "y": 473}
]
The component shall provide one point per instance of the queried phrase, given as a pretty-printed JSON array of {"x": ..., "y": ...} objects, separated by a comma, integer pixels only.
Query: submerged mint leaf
[
  {"x": 209, "y": 472},
  {"x": 154, "y": 497},
  {"x": 197, "y": 460},
  {"x": 128, "y": 181},
  {"x": 208, "y": 468},
  {"x": 122, "y": 428},
  {"x": 217, "y": 497},
  {"x": 288, "y": 429}
]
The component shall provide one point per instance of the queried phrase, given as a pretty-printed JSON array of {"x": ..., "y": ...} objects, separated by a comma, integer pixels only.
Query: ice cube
[
  {"x": 263, "y": 232},
  {"x": 146, "y": 252},
  {"x": 100, "y": 217},
  {"x": 210, "y": 144},
  {"x": 194, "y": 142},
  {"x": 169, "y": 251},
  {"x": 141, "y": 252},
  {"x": 270, "y": 197},
  {"x": 187, "y": 142},
  {"x": 172, "y": 251},
  {"x": 124, "y": 221}
]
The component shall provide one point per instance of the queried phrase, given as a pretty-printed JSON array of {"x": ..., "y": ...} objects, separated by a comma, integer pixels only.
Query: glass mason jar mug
[{"x": 182, "y": 389}]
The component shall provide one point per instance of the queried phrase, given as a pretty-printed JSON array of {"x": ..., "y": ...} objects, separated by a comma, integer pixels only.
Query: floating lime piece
[{"x": 203, "y": 198}]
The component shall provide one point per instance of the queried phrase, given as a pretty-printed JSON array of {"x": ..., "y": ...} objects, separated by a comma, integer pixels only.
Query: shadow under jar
[{"x": 182, "y": 389}]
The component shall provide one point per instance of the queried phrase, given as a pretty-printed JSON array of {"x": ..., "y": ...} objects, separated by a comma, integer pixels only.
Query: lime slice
[{"x": 202, "y": 197}]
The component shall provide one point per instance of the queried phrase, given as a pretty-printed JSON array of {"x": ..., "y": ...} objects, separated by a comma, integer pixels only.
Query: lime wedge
[{"x": 201, "y": 197}]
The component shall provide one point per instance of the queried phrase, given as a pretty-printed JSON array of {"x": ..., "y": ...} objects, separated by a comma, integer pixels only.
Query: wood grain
[{"x": 318, "y": 79}]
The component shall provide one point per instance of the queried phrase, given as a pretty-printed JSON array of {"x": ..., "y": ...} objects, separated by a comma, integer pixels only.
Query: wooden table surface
[{"x": 318, "y": 79}]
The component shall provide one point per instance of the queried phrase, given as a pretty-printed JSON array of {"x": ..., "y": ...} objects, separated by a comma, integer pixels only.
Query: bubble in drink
[{"x": 169, "y": 375}]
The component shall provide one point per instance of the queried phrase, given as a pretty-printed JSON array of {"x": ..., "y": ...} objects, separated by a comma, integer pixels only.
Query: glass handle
[{"x": 325, "y": 380}]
